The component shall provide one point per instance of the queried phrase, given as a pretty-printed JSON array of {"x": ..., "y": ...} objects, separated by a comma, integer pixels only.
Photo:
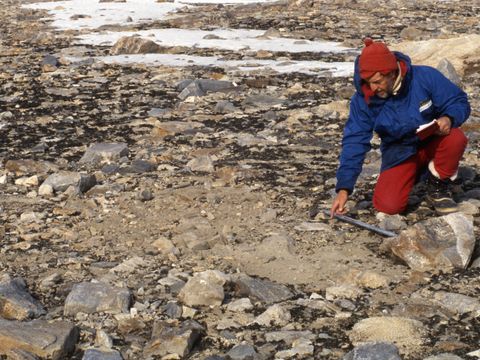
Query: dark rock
[
  {"x": 258, "y": 289},
  {"x": 375, "y": 351},
  {"x": 53, "y": 340},
  {"x": 167, "y": 339},
  {"x": 15, "y": 302},
  {"x": 94, "y": 354},
  {"x": 97, "y": 297},
  {"x": 242, "y": 352}
]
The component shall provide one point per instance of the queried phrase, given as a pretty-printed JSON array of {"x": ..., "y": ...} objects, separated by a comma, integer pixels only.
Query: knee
[
  {"x": 389, "y": 209},
  {"x": 389, "y": 206},
  {"x": 458, "y": 139}
]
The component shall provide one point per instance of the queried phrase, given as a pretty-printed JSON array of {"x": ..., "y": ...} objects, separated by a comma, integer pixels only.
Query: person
[{"x": 393, "y": 98}]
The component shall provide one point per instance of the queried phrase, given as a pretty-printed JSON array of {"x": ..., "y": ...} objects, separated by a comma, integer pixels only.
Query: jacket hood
[{"x": 358, "y": 82}]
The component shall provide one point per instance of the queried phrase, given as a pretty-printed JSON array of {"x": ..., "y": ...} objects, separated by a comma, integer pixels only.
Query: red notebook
[{"x": 426, "y": 130}]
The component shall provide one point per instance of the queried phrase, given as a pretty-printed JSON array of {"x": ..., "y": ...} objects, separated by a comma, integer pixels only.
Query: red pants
[{"x": 394, "y": 185}]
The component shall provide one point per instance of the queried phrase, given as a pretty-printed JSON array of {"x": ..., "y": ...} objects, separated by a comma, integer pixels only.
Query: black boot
[{"x": 439, "y": 195}]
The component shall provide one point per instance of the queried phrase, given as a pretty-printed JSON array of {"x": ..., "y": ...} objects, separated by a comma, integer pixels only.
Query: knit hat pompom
[{"x": 376, "y": 57}]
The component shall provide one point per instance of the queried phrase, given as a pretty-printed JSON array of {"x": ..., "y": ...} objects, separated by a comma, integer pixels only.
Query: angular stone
[
  {"x": 444, "y": 356},
  {"x": 447, "y": 69},
  {"x": 406, "y": 333},
  {"x": 100, "y": 153},
  {"x": 176, "y": 127},
  {"x": 202, "y": 164},
  {"x": 242, "y": 352},
  {"x": 134, "y": 45},
  {"x": 53, "y": 340},
  {"x": 457, "y": 303},
  {"x": 97, "y": 297},
  {"x": 167, "y": 339},
  {"x": 18, "y": 354},
  {"x": 203, "y": 291},
  {"x": 343, "y": 291},
  {"x": 62, "y": 180},
  {"x": 258, "y": 289},
  {"x": 224, "y": 107},
  {"x": 201, "y": 87},
  {"x": 439, "y": 243},
  {"x": 374, "y": 351},
  {"x": 95, "y": 354},
  {"x": 29, "y": 167},
  {"x": 15, "y": 302},
  {"x": 301, "y": 349},
  {"x": 288, "y": 337},
  {"x": 274, "y": 315},
  {"x": 240, "y": 305}
]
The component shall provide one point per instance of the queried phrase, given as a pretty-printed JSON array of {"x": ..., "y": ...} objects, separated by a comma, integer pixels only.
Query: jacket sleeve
[
  {"x": 355, "y": 144},
  {"x": 448, "y": 98}
]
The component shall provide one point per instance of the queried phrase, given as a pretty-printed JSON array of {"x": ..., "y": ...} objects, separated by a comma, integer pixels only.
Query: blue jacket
[{"x": 426, "y": 94}]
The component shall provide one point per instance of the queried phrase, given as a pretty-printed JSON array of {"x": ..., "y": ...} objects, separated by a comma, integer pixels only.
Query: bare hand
[
  {"x": 445, "y": 125},
  {"x": 338, "y": 206}
]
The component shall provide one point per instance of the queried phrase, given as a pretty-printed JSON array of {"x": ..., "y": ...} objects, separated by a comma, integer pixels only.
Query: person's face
[{"x": 382, "y": 85}]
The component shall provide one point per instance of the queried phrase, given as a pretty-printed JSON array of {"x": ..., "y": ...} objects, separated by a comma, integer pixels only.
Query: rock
[
  {"x": 240, "y": 305},
  {"x": 201, "y": 87},
  {"x": 459, "y": 50},
  {"x": 201, "y": 164},
  {"x": 91, "y": 298},
  {"x": 203, "y": 290},
  {"x": 457, "y": 303},
  {"x": 53, "y": 340},
  {"x": 258, "y": 289},
  {"x": 95, "y": 354},
  {"x": 49, "y": 63},
  {"x": 173, "y": 310},
  {"x": 145, "y": 195},
  {"x": 167, "y": 339},
  {"x": 410, "y": 33},
  {"x": 274, "y": 315},
  {"x": 103, "y": 340},
  {"x": 134, "y": 45},
  {"x": 18, "y": 354},
  {"x": 439, "y": 243},
  {"x": 409, "y": 335},
  {"x": 242, "y": 352},
  {"x": 100, "y": 153},
  {"x": 391, "y": 222},
  {"x": 288, "y": 337},
  {"x": 15, "y": 302},
  {"x": 445, "y": 356},
  {"x": 30, "y": 167},
  {"x": 62, "y": 180},
  {"x": 447, "y": 69},
  {"x": 224, "y": 107},
  {"x": 301, "y": 349},
  {"x": 375, "y": 351},
  {"x": 263, "y": 101},
  {"x": 343, "y": 292}
]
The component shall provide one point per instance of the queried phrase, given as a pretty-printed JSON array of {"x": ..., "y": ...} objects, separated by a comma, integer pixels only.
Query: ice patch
[
  {"x": 227, "y": 39},
  {"x": 320, "y": 68}
]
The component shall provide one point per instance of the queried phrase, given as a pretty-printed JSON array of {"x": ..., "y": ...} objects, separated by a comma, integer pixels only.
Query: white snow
[
  {"x": 89, "y": 15},
  {"x": 306, "y": 67},
  {"x": 228, "y": 39}
]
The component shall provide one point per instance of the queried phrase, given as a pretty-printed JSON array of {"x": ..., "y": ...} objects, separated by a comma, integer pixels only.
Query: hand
[
  {"x": 445, "y": 125},
  {"x": 338, "y": 206}
]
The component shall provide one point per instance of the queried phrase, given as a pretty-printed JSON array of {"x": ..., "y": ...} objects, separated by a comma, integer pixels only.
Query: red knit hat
[{"x": 376, "y": 57}]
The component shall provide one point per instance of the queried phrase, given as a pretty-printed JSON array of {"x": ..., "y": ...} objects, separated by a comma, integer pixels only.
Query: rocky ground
[{"x": 145, "y": 216}]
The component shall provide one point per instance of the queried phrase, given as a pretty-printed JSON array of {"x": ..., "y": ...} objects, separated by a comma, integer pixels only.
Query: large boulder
[
  {"x": 459, "y": 51},
  {"x": 135, "y": 45},
  {"x": 442, "y": 243}
]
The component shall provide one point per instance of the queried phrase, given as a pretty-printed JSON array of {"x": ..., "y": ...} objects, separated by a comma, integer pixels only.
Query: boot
[{"x": 439, "y": 195}]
